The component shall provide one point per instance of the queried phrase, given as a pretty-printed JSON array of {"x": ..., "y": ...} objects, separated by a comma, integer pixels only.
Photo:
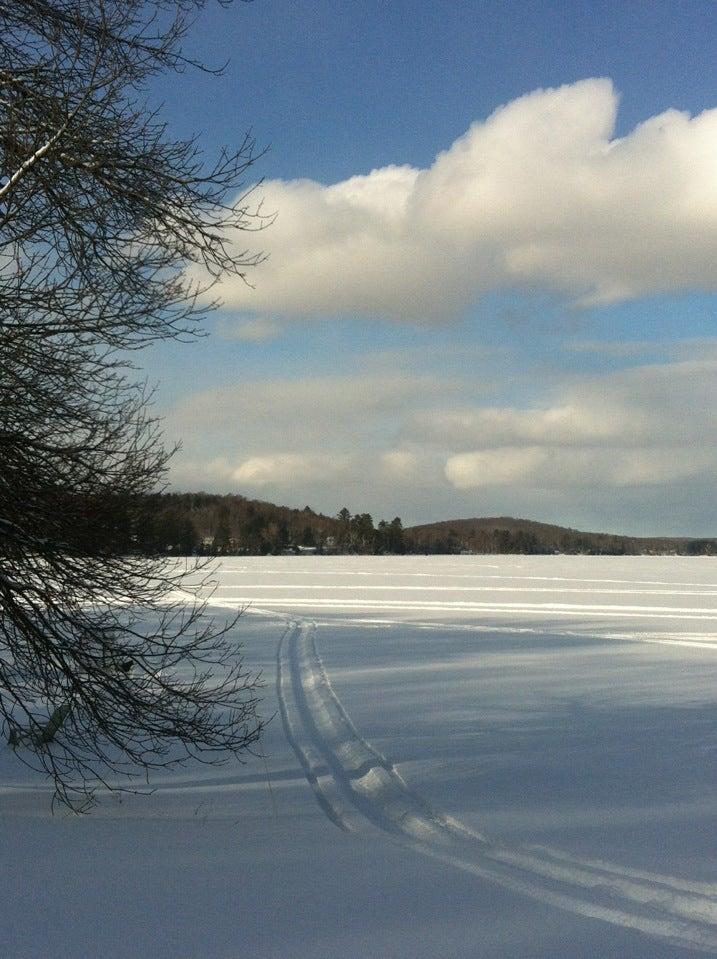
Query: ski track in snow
[
  {"x": 575, "y": 610},
  {"x": 384, "y": 588},
  {"x": 667, "y": 585},
  {"x": 357, "y": 787}
]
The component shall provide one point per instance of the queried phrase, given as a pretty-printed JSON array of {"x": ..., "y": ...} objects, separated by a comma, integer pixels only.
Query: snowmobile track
[{"x": 358, "y": 788}]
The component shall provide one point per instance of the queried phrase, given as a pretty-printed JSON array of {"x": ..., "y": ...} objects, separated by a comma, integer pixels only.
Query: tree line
[{"x": 213, "y": 524}]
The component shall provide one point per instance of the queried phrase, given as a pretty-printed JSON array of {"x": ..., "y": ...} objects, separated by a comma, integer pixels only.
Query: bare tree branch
[{"x": 109, "y": 663}]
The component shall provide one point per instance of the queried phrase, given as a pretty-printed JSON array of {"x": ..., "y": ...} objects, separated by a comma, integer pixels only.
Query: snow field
[{"x": 518, "y": 753}]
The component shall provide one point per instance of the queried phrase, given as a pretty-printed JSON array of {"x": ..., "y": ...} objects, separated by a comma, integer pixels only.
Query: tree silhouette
[{"x": 112, "y": 235}]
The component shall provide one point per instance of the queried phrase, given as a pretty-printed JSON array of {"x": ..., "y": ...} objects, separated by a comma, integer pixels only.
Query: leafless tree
[{"x": 112, "y": 235}]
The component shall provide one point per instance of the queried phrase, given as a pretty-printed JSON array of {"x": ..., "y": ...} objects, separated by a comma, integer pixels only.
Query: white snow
[{"x": 519, "y": 754}]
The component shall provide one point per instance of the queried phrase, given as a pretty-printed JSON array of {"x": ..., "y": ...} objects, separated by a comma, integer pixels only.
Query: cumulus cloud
[
  {"x": 257, "y": 330},
  {"x": 293, "y": 415},
  {"x": 423, "y": 447},
  {"x": 291, "y": 468},
  {"x": 668, "y": 404},
  {"x": 539, "y": 195},
  {"x": 651, "y": 425},
  {"x": 572, "y": 423},
  {"x": 546, "y": 466},
  {"x": 302, "y": 434},
  {"x": 400, "y": 464}
]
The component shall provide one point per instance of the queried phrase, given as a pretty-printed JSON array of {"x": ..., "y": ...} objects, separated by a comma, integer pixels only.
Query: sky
[{"x": 490, "y": 284}]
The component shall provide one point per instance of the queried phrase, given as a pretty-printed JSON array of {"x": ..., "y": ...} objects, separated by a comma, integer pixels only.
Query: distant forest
[{"x": 212, "y": 524}]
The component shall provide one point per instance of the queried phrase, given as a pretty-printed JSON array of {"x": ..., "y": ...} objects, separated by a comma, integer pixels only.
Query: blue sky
[{"x": 525, "y": 325}]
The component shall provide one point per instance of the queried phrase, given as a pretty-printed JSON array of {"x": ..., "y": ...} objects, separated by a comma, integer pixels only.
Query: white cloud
[
  {"x": 642, "y": 440},
  {"x": 298, "y": 432},
  {"x": 552, "y": 467},
  {"x": 295, "y": 414},
  {"x": 540, "y": 194},
  {"x": 291, "y": 468},
  {"x": 650, "y": 425},
  {"x": 571, "y": 424},
  {"x": 508, "y": 465},
  {"x": 400, "y": 464},
  {"x": 667, "y": 404},
  {"x": 258, "y": 330}
]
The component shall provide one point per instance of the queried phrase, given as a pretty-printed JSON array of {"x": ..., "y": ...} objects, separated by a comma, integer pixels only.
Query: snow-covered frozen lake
[{"x": 502, "y": 757}]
